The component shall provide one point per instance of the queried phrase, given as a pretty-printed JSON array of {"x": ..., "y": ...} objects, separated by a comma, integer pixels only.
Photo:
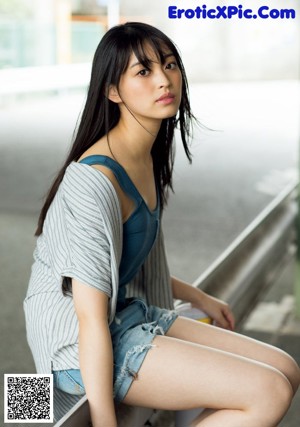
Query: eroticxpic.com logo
[{"x": 238, "y": 11}]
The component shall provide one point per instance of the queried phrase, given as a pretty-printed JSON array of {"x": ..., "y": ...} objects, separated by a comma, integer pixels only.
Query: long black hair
[{"x": 100, "y": 115}]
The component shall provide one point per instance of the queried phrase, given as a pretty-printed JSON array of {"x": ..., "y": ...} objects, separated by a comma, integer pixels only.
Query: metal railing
[{"x": 253, "y": 259}]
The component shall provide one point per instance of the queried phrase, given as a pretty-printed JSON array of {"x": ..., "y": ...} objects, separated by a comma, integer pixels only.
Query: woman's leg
[
  {"x": 181, "y": 375},
  {"x": 197, "y": 332}
]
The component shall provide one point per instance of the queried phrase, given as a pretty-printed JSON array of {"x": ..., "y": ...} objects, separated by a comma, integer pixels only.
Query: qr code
[{"x": 28, "y": 398}]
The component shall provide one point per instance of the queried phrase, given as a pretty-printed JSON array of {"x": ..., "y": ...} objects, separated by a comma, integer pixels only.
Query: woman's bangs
[{"x": 145, "y": 47}]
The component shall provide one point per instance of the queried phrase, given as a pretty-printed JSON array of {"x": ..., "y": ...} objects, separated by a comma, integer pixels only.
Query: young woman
[{"x": 99, "y": 304}]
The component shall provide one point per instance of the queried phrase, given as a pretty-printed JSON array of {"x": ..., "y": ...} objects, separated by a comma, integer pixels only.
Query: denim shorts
[{"x": 132, "y": 332}]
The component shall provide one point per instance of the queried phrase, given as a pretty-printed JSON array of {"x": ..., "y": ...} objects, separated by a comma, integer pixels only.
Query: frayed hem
[
  {"x": 170, "y": 315},
  {"x": 125, "y": 370}
]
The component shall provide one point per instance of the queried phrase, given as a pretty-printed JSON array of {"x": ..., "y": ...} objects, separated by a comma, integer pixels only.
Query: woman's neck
[{"x": 132, "y": 139}]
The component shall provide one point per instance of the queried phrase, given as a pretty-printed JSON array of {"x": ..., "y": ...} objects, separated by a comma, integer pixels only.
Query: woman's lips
[{"x": 167, "y": 98}]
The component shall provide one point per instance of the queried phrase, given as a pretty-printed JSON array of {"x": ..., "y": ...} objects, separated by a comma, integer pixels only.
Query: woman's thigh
[
  {"x": 213, "y": 337},
  {"x": 181, "y": 375}
]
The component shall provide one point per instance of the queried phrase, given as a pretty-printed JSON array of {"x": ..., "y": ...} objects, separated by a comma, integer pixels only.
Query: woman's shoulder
[
  {"x": 87, "y": 179},
  {"x": 88, "y": 193},
  {"x": 84, "y": 186}
]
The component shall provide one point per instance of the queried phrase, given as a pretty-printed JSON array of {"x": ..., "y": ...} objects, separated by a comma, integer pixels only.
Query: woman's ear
[{"x": 113, "y": 94}]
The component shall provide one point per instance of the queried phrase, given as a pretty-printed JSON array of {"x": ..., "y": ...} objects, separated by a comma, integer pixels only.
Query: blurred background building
[{"x": 45, "y": 32}]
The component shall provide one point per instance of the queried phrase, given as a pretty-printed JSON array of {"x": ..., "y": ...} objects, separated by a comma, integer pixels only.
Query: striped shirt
[{"x": 82, "y": 239}]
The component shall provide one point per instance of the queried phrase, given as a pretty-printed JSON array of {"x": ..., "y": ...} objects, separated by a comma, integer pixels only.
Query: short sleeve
[{"x": 89, "y": 251}]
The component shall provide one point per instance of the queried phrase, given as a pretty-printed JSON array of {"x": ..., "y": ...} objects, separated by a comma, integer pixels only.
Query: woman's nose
[{"x": 163, "y": 79}]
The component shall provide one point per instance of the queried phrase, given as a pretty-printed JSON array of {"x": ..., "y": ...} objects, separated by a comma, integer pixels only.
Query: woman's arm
[
  {"x": 95, "y": 353},
  {"x": 216, "y": 309}
]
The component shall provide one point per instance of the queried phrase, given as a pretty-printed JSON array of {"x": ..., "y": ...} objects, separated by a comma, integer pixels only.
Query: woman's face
[{"x": 154, "y": 92}]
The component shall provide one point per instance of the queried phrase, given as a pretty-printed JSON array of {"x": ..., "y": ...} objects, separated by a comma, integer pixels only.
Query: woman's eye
[
  {"x": 171, "y": 65},
  {"x": 144, "y": 72}
]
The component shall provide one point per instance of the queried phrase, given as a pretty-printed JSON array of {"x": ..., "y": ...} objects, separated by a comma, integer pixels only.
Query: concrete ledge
[
  {"x": 127, "y": 416},
  {"x": 269, "y": 316}
]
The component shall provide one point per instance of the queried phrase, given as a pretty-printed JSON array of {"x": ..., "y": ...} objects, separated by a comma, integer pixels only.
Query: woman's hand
[
  {"x": 219, "y": 311},
  {"x": 216, "y": 309}
]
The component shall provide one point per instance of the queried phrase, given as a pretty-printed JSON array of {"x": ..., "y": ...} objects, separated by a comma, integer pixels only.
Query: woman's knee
[
  {"x": 273, "y": 398},
  {"x": 293, "y": 373},
  {"x": 289, "y": 367}
]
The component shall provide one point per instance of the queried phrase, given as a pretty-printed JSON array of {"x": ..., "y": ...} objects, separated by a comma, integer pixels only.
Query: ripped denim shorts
[{"x": 132, "y": 332}]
